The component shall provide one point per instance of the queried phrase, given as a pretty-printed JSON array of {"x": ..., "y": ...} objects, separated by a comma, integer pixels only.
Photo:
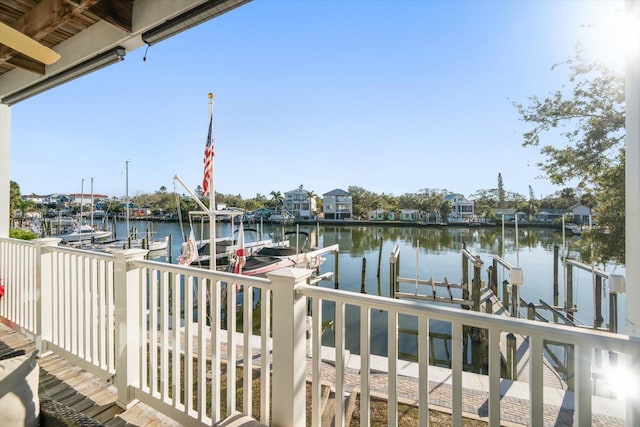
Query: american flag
[
  {"x": 241, "y": 256},
  {"x": 208, "y": 160}
]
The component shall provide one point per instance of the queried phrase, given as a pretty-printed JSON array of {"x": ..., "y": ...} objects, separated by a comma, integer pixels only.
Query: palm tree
[
  {"x": 277, "y": 199},
  {"x": 25, "y": 206},
  {"x": 312, "y": 195}
]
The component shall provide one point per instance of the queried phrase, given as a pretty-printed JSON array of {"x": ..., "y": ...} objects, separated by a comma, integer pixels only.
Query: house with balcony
[
  {"x": 461, "y": 208},
  {"x": 337, "y": 204},
  {"x": 299, "y": 203}
]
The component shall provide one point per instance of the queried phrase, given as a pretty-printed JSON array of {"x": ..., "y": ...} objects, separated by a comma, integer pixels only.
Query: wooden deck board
[{"x": 64, "y": 382}]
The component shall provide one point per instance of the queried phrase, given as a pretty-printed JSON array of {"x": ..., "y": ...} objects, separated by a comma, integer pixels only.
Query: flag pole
[{"x": 212, "y": 200}]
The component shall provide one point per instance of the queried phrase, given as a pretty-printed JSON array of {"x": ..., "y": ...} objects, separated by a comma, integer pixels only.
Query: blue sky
[{"x": 393, "y": 96}]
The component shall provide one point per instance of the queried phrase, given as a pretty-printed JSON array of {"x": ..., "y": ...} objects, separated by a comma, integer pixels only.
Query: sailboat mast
[
  {"x": 81, "y": 203},
  {"x": 91, "y": 202},
  {"x": 212, "y": 199},
  {"x": 126, "y": 176}
]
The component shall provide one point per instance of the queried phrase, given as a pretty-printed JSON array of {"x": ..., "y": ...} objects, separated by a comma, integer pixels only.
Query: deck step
[{"x": 329, "y": 407}]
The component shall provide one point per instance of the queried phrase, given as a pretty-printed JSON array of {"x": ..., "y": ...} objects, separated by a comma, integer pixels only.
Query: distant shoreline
[{"x": 385, "y": 223}]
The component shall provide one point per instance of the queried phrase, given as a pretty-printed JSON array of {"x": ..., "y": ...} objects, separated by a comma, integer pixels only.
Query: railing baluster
[
  {"x": 188, "y": 343},
  {"x": 202, "y": 349},
  {"x": 176, "y": 390},
  {"x": 392, "y": 359},
  {"x": 214, "y": 315},
  {"x": 152, "y": 327},
  {"x": 494, "y": 377},
  {"x": 247, "y": 329},
  {"x": 316, "y": 361},
  {"x": 536, "y": 381},
  {"x": 456, "y": 373},
  {"x": 340, "y": 363},
  {"x": 165, "y": 291},
  {"x": 231, "y": 346},
  {"x": 582, "y": 354},
  {"x": 423, "y": 375},
  {"x": 365, "y": 365},
  {"x": 265, "y": 355}
]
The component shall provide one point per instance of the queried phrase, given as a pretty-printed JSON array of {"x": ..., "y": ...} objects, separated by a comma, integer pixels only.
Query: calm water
[{"x": 425, "y": 253}]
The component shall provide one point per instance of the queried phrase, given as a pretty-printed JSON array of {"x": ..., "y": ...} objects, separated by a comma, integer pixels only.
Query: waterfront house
[
  {"x": 85, "y": 199},
  {"x": 581, "y": 214},
  {"x": 337, "y": 204},
  {"x": 549, "y": 215},
  {"x": 409, "y": 215},
  {"x": 299, "y": 203},
  {"x": 378, "y": 214},
  {"x": 509, "y": 214},
  {"x": 461, "y": 208}
]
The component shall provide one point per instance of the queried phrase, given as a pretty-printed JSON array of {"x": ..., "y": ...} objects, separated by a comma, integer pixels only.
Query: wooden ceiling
[{"x": 52, "y": 22}]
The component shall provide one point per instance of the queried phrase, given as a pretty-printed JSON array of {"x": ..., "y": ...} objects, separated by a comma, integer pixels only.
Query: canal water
[{"x": 426, "y": 252}]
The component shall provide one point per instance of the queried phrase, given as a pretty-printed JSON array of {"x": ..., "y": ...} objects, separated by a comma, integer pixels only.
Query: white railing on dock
[{"x": 165, "y": 332}]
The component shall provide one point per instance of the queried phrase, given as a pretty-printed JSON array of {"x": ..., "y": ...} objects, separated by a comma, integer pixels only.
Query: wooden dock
[
  {"x": 551, "y": 378},
  {"x": 74, "y": 394}
]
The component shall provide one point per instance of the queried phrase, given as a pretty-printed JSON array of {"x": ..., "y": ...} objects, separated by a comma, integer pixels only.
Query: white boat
[
  {"x": 84, "y": 233},
  {"x": 269, "y": 259},
  {"x": 225, "y": 246},
  {"x": 151, "y": 245}
]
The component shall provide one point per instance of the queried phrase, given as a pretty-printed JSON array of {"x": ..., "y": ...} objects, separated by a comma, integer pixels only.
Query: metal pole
[{"x": 212, "y": 200}]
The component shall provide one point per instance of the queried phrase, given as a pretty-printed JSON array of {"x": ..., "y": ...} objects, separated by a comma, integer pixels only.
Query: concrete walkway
[{"x": 558, "y": 404}]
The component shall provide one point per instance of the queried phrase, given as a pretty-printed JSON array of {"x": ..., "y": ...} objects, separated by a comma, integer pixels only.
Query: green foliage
[
  {"x": 590, "y": 117},
  {"x": 17, "y": 233}
]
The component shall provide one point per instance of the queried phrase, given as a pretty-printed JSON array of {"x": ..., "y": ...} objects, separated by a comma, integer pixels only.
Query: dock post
[
  {"x": 477, "y": 283},
  {"x": 569, "y": 292},
  {"x": 489, "y": 307},
  {"x": 531, "y": 311},
  {"x": 465, "y": 273},
  {"x": 363, "y": 277},
  {"x": 570, "y": 364},
  {"x": 394, "y": 267},
  {"x": 598, "y": 303},
  {"x": 555, "y": 274},
  {"x": 512, "y": 362},
  {"x": 505, "y": 294},
  {"x": 613, "y": 312},
  {"x": 493, "y": 277},
  {"x": 380, "y": 256},
  {"x": 336, "y": 262}
]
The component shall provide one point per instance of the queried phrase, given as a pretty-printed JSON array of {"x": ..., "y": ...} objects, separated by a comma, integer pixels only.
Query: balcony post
[
  {"x": 44, "y": 262},
  {"x": 128, "y": 315},
  {"x": 289, "y": 347}
]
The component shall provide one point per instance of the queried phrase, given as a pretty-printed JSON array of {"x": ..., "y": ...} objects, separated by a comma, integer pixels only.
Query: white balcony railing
[{"x": 164, "y": 333}]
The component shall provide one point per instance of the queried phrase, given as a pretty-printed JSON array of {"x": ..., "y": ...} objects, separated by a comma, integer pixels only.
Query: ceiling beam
[
  {"x": 27, "y": 63},
  {"x": 116, "y": 12}
]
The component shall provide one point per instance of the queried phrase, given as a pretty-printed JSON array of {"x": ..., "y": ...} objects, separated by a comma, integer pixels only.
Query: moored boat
[{"x": 84, "y": 232}]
